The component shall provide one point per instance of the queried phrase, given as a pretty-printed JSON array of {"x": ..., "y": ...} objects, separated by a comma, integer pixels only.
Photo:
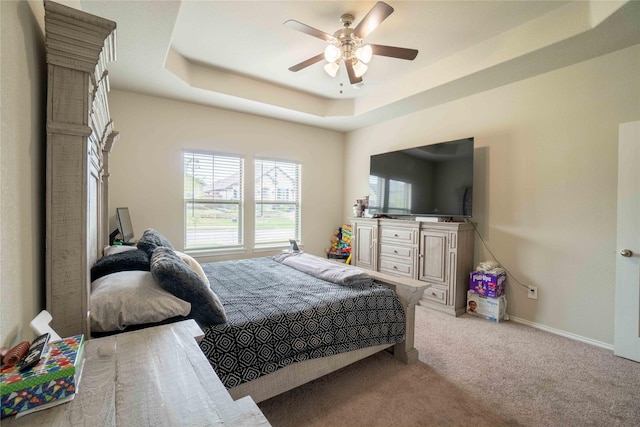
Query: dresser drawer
[
  {"x": 395, "y": 267},
  {"x": 396, "y": 251},
  {"x": 435, "y": 294},
  {"x": 398, "y": 235}
]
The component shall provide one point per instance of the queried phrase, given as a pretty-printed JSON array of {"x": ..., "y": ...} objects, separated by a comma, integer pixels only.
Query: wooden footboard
[
  {"x": 299, "y": 373},
  {"x": 409, "y": 292}
]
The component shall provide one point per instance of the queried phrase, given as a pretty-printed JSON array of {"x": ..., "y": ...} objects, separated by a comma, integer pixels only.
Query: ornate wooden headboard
[{"x": 80, "y": 136}]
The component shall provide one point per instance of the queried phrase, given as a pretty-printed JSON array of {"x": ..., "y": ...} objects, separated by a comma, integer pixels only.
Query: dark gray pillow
[
  {"x": 121, "y": 261},
  {"x": 150, "y": 240},
  {"x": 176, "y": 277}
]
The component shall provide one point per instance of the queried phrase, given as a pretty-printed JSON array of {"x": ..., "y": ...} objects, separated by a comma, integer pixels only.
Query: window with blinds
[
  {"x": 277, "y": 202},
  {"x": 213, "y": 200}
]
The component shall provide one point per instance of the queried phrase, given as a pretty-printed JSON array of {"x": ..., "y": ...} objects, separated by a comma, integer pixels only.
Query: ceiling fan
[{"x": 347, "y": 44}]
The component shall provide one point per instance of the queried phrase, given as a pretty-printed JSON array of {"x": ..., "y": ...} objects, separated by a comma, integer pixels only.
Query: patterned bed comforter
[{"x": 277, "y": 316}]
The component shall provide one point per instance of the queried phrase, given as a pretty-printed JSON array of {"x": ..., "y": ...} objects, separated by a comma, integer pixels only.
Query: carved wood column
[{"x": 78, "y": 46}]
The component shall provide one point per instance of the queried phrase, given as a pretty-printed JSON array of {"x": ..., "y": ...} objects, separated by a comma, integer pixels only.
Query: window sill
[
  {"x": 199, "y": 253},
  {"x": 274, "y": 248}
]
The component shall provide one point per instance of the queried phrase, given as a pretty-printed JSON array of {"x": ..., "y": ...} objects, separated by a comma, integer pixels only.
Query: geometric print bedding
[{"x": 277, "y": 316}]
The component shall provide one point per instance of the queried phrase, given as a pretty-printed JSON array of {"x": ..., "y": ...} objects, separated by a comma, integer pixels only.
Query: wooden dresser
[
  {"x": 439, "y": 254},
  {"x": 152, "y": 377}
]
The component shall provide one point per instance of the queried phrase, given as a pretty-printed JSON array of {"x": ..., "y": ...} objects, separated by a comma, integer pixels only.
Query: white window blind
[
  {"x": 277, "y": 201},
  {"x": 213, "y": 196}
]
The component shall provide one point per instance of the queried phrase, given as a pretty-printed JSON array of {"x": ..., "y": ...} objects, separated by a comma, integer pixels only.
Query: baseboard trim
[{"x": 562, "y": 333}]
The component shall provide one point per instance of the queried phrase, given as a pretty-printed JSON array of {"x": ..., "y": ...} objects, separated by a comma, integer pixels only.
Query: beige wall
[
  {"x": 545, "y": 182},
  {"x": 22, "y": 85},
  {"x": 146, "y": 173}
]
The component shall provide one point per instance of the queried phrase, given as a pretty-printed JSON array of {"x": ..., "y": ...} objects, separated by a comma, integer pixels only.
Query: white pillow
[
  {"x": 195, "y": 265},
  {"x": 131, "y": 298},
  {"x": 117, "y": 249}
]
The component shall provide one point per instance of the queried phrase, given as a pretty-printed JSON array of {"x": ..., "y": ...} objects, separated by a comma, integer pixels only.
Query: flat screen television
[
  {"x": 125, "y": 228},
  {"x": 429, "y": 181}
]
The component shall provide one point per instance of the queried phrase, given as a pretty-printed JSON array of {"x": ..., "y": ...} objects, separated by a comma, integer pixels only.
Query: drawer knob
[
  {"x": 395, "y": 252},
  {"x": 395, "y": 235},
  {"x": 395, "y": 267}
]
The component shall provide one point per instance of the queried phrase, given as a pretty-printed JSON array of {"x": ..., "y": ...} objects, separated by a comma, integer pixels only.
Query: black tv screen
[
  {"x": 125, "y": 228},
  {"x": 433, "y": 180}
]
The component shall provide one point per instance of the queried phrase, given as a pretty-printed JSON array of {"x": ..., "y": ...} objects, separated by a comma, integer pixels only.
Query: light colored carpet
[
  {"x": 535, "y": 377},
  {"x": 379, "y": 391},
  {"x": 472, "y": 372}
]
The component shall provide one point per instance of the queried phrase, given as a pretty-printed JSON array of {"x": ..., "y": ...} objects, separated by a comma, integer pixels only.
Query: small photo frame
[{"x": 293, "y": 246}]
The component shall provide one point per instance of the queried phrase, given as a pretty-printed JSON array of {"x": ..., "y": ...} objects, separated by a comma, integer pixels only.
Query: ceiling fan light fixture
[
  {"x": 359, "y": 68},
  {"x": 332, "y": 53},
  {"x": 364, "y": 53},
  {"x": 347, "y": 45},
  {"x": 331, "y": 68}
]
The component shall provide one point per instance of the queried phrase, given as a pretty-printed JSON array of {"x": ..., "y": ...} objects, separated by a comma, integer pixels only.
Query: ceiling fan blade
[
  {"x": 352, "y": 74},
  {"x": 378, "y": 13},
  {"x": 305, "y": 64},
  {"x": 394, "y": 52},
  {"x": 299, "y": 26}
]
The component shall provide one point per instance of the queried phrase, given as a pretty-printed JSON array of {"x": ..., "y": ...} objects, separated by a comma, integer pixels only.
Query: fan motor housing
[{"x": 346, "y": 41}]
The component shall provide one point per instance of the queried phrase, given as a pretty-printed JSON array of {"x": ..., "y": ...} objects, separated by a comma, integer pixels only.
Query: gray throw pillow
[
  {"x": 134, "y": 260},
  {"x": 176, "y": 277},
  {"x": 150, "y": 240}
]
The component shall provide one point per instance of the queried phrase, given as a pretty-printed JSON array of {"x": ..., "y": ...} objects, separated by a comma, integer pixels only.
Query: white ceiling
[{"x": 236, "y": 54}]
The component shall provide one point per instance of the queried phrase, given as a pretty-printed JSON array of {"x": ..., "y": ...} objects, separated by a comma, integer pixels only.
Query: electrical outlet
[{"x": 533, "y": 292}]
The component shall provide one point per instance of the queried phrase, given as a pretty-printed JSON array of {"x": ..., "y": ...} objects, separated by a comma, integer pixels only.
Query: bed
[
  {"x": 80, "y": 136},
  {"x": 293, "y": 316}
]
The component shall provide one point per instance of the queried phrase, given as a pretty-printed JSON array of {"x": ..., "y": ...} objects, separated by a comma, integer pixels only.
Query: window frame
[
  {"x": 259, "y": 200},
  {"x": 239, "y": 202}
]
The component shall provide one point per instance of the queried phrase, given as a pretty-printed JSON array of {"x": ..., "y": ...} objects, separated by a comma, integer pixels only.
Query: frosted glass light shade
[
  {"x": 359, "y": 68},
  {"x": 331, "y": 68},
  {"x": 332, "y": 53},
  {"x": 364, "y": 53}
]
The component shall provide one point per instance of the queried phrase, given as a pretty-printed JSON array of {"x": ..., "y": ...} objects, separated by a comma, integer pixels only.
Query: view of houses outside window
[
  {"x": 213, "y": 200},
  {"x": 277, "y": 202}
]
